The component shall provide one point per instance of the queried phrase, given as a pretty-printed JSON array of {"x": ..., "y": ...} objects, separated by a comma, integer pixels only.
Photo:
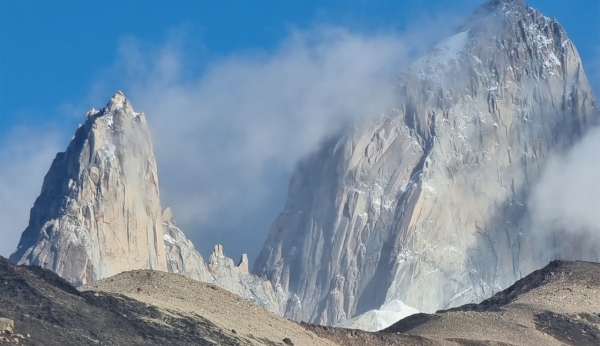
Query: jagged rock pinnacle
[
  {"x": 99, "y": 210},
  {"x": 184, "y": 259},
  {"x": 243, "y": 264}
]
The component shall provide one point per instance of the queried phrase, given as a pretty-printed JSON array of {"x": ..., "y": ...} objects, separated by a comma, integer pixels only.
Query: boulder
[{"x": 7, "y": 325}]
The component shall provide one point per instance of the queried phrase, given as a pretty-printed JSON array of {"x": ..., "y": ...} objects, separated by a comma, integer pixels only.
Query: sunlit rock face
[
  {"x": 427, "y": 204},
  {"x": 99, "y": 210}
]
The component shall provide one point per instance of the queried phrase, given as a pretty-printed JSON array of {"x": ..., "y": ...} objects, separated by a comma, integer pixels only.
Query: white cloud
[
  {"x": 567, "y": 197},
  {"x": 25, "y": 154},
  {"x": 227, "y": 139}
]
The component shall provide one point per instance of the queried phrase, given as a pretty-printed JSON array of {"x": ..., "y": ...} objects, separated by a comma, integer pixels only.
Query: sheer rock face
[
  {"x": 99, "y": 210},
  {"x": 184, "y": 259},
  {"x": 426, "y": 204}
]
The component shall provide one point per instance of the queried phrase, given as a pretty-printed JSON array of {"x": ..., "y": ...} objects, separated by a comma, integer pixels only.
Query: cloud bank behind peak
[{"x": 227, "y": 139}]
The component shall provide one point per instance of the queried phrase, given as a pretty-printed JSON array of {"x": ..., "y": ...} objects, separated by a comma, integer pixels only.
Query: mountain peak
[
  {"x": 434, "y": 194},
  {"x": 502, "y": 5},
  {"x": 505, "y": 2},
  {"x": 502, "y": 10},
  {"x": 118, "y": 101},
  {"x": 506, "y": 34},
  {"x": 99, "y": 210}
]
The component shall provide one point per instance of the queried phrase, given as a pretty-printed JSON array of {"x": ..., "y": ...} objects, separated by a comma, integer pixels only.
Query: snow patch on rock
[
  {"x": 376, "y": 320},
  {"x": 442, "y": 56}
]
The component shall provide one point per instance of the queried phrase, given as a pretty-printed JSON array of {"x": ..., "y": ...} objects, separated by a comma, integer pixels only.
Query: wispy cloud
[
  {"x": 223, "y": 140},
  {"x": 567, "y": 198},
  {"x": 26, "y": 154},
  {"x": 227, "y": 139}
]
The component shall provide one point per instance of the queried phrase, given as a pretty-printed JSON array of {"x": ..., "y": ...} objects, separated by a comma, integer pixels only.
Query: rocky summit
[
  {"x": 99, "y": 213},
  {"x": 424, "y": 207},
  {"x": 99, "y": 210}
]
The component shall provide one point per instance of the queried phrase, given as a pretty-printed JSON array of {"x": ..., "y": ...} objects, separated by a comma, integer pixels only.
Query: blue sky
[
  {"x": 60, "y": 58},
  {"x": 53, "y": 50}
]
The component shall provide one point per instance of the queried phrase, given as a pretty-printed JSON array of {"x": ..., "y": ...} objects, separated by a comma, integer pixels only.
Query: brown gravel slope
[
  {"x": 54, "y": 313},
  {"x": 235, "y": 317},
  {"x": 253, "y": 325},
  {"x": 146, "y": 308},
  {"x": 556, "y": 305}
]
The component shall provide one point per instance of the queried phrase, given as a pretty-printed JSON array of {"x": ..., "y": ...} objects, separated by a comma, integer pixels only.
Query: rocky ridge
[
  {"x": 426, "y": 205},
  {"x": 184, "y": 259}
]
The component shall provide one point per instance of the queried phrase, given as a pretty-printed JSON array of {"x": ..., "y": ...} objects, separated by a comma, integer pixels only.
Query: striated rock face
[
  {"x": 184, "y": 259},
  {"x": 426, "y": 204},
  {"x": 99, "y": 210}
]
